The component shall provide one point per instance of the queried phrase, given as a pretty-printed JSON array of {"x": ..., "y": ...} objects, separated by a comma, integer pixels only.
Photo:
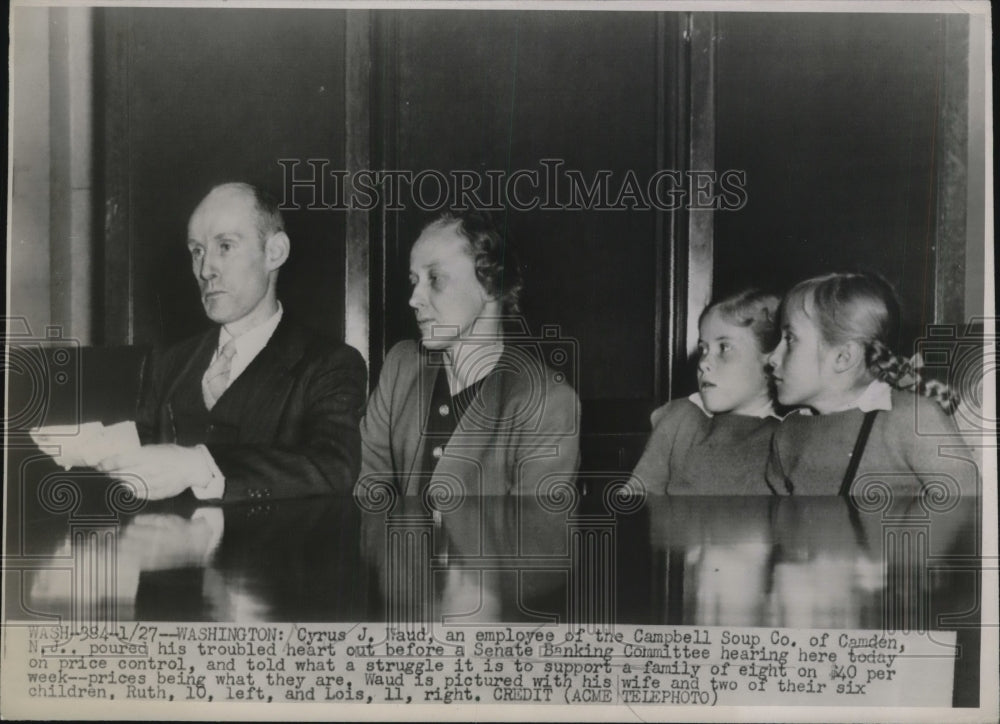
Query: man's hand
[
  {"x": 162, "y": 541},
  {"x": 161, "y": 471}
]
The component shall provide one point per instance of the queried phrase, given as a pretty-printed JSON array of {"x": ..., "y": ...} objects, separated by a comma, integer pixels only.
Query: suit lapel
[
  {"x": 195, "y": 366},
  {"x": 265, "y": 384}
]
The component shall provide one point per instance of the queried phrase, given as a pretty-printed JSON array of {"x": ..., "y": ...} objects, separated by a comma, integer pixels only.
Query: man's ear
[
  {"x": 276, "y": 250},
  {"x": 848, "y": 356}
]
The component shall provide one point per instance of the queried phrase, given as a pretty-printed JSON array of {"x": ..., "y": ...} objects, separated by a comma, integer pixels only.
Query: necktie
[{"x": 216, "y": 378}]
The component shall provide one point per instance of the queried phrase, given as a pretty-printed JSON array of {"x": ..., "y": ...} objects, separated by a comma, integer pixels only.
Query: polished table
[{"x": 79, "y": 546}]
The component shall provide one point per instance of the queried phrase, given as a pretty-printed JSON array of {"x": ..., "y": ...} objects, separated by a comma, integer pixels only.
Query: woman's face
[
  {"x": 731, "y": 368},
  {"x": 447, "y": 297}
]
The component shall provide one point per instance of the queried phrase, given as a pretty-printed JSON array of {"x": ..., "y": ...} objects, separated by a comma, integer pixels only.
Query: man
[{"x": 258, "y": 407}]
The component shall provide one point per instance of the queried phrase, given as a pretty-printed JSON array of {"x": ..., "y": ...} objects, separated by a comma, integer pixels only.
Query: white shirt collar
[
  {"x": 249, "y": 344},
  {"x": 764, "y": 409},
  {"x": 876, "y": 396}
]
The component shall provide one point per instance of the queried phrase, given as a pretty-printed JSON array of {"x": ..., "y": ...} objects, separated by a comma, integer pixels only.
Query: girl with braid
[
  {"x": 716, "y": 441},
  {"x": 860, "y": 403}
]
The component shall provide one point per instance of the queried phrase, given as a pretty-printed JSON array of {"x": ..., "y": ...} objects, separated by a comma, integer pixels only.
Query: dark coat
[{"x": 286, "y": 427}]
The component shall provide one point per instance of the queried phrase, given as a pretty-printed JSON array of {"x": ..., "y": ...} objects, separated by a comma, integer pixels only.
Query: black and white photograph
[{"x": 500, "y": 361}]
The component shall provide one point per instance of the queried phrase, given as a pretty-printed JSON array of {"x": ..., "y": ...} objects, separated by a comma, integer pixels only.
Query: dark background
[
  {"x": 833, "y": 117},
  {"x": 200, "y": 97}
]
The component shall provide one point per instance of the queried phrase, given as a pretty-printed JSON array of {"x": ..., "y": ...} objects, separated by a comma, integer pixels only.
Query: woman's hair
[
  {"x": 751, "y": 308},
  {"x": 863, "y": 307},
  {"x": 496, "y": 264}
]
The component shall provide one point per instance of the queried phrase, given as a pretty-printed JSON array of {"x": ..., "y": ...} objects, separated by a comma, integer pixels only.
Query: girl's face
[
  {"x": 801, "y": 361},
  {"x": 731, "y": 369}
]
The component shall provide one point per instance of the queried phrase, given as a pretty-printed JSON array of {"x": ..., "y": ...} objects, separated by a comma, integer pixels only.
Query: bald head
[{"x": 263, "y": 206}]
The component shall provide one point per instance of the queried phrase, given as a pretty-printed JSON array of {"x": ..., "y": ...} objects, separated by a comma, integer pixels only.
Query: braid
[
  {"x": 904, "y": 374},
  {"x": 864, "y": 307}
]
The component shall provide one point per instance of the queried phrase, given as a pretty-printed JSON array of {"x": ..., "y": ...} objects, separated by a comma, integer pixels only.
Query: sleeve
[
  {"x": 214, "y": 486},
  {"x": 549, "y": 452},
  {"x": 376, "y": 446},
  {"x": 320, "y": 452},
  {"x": 935, "y": 449},
  {"x": 652, "y": 472},
  {"x": 149, "y": 415}
]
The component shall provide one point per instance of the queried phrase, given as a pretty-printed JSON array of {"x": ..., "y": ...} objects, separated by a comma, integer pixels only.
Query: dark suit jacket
[
  {"x": 520, "y": 436},
  {"x": 286, "y": 427}
]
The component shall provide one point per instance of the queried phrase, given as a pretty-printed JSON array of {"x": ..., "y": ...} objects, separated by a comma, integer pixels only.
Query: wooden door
[{"x": 563, "y": 94}]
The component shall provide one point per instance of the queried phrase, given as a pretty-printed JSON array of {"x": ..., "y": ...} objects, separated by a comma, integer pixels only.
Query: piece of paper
[{"x": 92, "y": 443}]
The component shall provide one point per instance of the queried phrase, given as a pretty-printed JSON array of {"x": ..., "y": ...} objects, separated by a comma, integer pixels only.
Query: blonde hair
[
  {"x": 751, "y": 308},
  {"x": 863, "y": 308}
]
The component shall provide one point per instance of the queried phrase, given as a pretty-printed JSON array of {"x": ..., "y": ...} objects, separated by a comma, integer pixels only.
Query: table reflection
[
  {"x": 810, "y": 562},
  {"x": 480, "y": 560},
  {"x": 795, "y": 562},
  {"x": 80, "y": 550}
]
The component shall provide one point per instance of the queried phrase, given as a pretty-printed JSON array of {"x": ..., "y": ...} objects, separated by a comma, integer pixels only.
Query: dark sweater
[
  {"x": 810, "y": 453},
  {"x": 690, "y": 452}
]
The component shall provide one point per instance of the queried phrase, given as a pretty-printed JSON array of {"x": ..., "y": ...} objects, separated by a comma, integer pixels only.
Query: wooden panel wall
[
  {"x": 836, "y": 120},
  {"x": 841, "y": 122},
  {"x": 196, "y": 97}
]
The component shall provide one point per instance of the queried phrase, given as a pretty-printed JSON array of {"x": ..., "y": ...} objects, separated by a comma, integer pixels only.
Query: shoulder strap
[{"x": 859, "y": 450}]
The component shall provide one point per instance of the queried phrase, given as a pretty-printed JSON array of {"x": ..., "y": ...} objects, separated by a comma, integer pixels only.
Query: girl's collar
[
  {"x": 765, "y": 409},
  {"x": 876, "y": 396}
]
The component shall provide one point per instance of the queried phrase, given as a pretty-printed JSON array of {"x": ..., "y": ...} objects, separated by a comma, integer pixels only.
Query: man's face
[
  {"x": 447, "y": 296},
  {"x": 228, "y": 257}
]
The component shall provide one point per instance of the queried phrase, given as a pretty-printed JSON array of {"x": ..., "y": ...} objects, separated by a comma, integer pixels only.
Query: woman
[{"x": 468, "y": 410}]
